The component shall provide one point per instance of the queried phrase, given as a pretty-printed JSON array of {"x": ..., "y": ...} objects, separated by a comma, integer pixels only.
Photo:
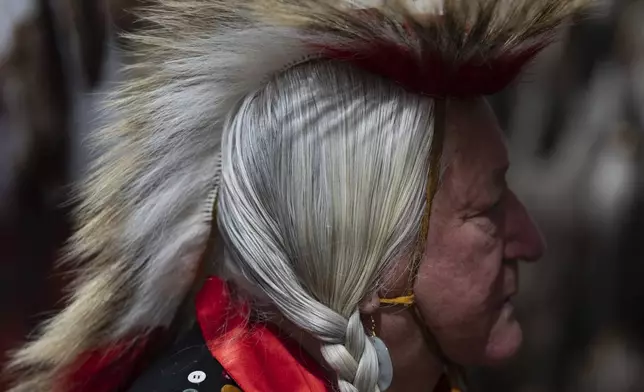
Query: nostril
[{"x": 529, "y": 247}]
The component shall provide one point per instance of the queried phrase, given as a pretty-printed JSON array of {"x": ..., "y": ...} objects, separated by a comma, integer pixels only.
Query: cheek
[
  {"x": 459, "y": 288},
  {"x": 461, "y": 273}
]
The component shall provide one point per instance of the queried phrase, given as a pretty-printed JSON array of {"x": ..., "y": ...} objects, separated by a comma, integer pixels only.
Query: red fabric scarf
[{"x": 254, "y": 354}]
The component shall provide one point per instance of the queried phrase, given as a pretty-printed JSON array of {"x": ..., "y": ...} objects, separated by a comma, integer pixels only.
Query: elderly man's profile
[{"x": 300, "y": 196}]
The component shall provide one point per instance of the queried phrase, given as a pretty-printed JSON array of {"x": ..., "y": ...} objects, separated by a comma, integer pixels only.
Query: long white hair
[{"x": 324, "y": 171}]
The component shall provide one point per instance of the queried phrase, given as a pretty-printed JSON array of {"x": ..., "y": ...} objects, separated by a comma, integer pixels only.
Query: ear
[{"x": 370, "y": 303}]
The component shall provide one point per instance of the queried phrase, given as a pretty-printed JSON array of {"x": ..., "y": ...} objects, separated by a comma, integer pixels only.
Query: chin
[{"x": 504, "y": 342}]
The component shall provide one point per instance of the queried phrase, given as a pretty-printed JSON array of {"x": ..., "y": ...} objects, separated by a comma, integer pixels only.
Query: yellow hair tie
[{"x": 404, "y": 300}]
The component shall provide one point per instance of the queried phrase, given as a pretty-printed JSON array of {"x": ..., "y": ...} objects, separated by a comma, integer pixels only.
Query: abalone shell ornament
[{"x": 385, "y": 366}]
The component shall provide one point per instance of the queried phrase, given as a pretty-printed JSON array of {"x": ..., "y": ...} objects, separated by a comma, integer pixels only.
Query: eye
[
  {"x": 491, "y": 209},
  {"x": 497, "y": 204}
]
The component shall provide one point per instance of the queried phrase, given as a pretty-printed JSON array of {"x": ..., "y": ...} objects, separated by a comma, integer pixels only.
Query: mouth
[
  {"x": 507, "y": 298},
  {"x": 507, "y": 308},
  {"x": 507, "y": 311}
]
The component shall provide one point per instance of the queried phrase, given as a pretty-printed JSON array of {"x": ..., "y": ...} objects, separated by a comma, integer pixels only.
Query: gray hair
[{"x": 323, "y": 178}]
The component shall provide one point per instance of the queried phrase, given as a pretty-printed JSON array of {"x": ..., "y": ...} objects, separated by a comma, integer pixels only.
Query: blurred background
[{"x": 575, "y": 124}]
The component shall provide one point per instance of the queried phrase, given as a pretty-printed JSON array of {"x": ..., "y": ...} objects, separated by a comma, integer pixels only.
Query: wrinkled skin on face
[{"x": 478, "y": 232}]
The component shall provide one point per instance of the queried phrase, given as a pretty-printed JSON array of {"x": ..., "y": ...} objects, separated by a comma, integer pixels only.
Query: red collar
[{"x": 254, "y": 354}]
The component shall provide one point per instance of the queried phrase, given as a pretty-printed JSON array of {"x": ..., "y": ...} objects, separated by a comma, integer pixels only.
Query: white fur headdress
[{"x": 143, "y": 220}]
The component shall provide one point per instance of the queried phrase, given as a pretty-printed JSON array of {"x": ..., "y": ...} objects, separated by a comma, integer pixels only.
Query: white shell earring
[{"x": 385, "y": 366}]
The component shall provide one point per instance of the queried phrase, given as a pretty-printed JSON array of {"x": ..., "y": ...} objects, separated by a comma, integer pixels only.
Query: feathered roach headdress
[{"x": 144, "y": 217}]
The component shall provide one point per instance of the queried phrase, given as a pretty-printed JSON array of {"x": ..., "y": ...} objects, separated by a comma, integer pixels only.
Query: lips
[
  {"x": 508, "y": 297},
  {"x": 508, "y": 310}
]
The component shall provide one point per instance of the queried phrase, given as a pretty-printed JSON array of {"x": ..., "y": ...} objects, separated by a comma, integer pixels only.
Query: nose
[{"x": 523, "y": 240}]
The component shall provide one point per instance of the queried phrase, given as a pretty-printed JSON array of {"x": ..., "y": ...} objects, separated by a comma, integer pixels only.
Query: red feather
[{"x": 434, "y": 76}]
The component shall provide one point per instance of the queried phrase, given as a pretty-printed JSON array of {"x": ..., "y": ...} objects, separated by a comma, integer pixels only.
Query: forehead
[
  {"x": 475, "y": 153},
  {"x": 473, "y": 133}
]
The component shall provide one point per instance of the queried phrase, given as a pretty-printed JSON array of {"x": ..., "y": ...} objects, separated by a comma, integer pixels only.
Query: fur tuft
[{"x": 141, "y": 228}]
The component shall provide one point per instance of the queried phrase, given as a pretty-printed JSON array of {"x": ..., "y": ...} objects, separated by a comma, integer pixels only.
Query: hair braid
[
  {"x": 323, "y": 178},
  {"x": 355, "y": 361}
]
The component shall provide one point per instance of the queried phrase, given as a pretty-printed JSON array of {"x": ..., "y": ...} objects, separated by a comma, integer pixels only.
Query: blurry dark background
[{"x": 575, "y": 125}]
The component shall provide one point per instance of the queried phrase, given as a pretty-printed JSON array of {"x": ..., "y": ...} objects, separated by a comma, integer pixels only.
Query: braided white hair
[{"x": 323, "y": 172}]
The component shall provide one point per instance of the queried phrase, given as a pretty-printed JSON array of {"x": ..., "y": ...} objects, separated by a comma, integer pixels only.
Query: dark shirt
[{"x": 187, "y": 367}]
